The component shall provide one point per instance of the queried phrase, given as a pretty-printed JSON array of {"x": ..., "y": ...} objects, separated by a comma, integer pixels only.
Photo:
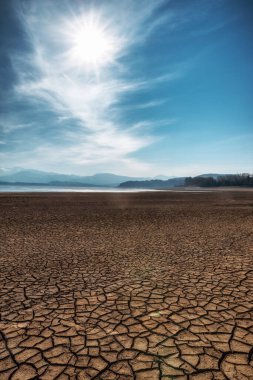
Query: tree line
[{"x": 243, "y": 179}]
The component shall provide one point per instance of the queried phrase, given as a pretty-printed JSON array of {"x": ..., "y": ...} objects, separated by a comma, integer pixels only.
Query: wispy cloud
[
  {"x": 79, "y": 95},
  {"x": 11, "y": 124},
  {"x": 148, "y": 125},
  {"x": 151, "y": 104}
]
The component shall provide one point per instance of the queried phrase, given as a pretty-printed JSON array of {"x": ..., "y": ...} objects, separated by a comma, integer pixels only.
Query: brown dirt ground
[{"x": 144, "y": 286}]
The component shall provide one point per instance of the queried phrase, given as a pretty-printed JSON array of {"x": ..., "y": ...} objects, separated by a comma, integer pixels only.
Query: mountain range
[{"x": 37, "y": 177}]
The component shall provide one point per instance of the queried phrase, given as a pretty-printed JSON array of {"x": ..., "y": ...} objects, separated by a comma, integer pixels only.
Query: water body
[
  {"x": 69, "y": 189},
  {"x": 75, "y": 189}
]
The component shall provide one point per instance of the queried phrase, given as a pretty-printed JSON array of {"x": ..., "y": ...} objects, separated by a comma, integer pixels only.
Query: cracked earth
[{"x": 144, "y": 286}]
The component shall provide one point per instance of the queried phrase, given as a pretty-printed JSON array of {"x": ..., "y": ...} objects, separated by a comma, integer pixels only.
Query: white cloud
[{"x": 88, "y": 95}]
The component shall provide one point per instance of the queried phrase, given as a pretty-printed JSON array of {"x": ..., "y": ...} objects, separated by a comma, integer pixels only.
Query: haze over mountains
[
  {"x": 36, "y": 177},
  {"x": 29, "y": 176}
]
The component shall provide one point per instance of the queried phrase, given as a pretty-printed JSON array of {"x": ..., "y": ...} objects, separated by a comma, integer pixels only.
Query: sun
[{"x": 92, "y": 43}]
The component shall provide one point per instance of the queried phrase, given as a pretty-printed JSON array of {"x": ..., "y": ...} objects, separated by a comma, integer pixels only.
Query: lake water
[
  {"x": 46, "y": 189},
  {"x": 69, "y": 189}
]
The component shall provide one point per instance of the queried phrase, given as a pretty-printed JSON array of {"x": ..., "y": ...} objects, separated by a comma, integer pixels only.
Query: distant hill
[
  {"x": 241, "y": 180},
  {"x": 212, "y": 175},
  {"x": 154, "y": 183},
  {"x": 162, "y": 177},
  {"x": 203, "y": 180},
  {"x": 29, "y": 176}
]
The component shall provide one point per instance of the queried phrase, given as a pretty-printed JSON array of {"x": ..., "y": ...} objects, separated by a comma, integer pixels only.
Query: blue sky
[{"x": 130, "y": 87}]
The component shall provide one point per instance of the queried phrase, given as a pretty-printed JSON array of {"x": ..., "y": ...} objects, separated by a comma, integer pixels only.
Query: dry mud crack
[{"x": 144, "y": 286}]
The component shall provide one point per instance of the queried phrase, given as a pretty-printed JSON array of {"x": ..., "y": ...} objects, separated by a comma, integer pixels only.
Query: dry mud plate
[{"x": 141, "y": 286}]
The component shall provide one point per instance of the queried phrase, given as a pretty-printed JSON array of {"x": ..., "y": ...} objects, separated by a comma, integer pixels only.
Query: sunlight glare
[{"x": 93, "y": 44}]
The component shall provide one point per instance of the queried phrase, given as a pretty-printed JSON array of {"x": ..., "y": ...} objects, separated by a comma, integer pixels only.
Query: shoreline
[{"x": 128, "y": 191}]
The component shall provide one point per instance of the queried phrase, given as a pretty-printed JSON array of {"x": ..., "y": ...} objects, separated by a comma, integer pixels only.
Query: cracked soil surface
[{"x": 144, "y": 286}]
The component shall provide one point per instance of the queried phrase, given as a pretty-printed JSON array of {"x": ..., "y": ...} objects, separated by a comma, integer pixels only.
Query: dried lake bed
[{"x": 142, "y": 285}]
